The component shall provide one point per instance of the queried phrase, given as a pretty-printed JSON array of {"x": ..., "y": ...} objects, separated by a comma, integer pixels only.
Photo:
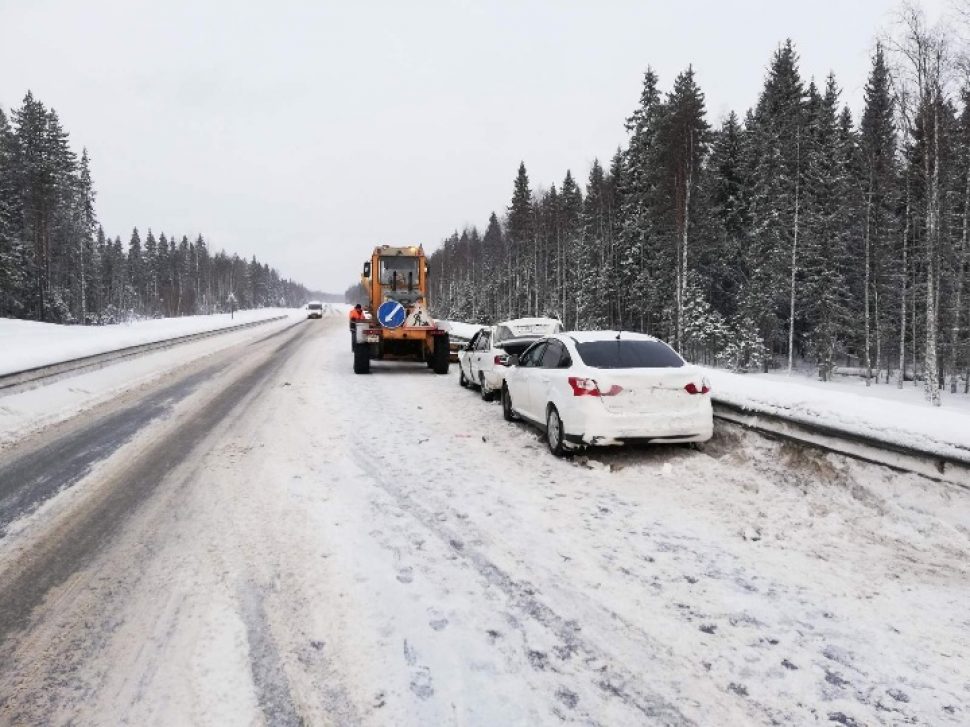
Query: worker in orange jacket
[{"x": 356, "y": 314}]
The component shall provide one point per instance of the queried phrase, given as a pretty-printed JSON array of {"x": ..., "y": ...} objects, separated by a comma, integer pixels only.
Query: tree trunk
[
  {"x": 902, "y": 297},
  {"x": 932, "y": 232},
  {"x": 682, "y": 276},
  {"x": 84, "y": 310},
  {"x": 868, "y": 360},
  {"x": 794, "y": 259},
  {"x": 878, "y": 331},
  {"x": 958, "y": 294}
]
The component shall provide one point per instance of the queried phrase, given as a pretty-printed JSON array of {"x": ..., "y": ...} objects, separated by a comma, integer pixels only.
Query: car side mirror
[
  {"x": 512, "y": 360},
  {"x": 366, "y": 270}
]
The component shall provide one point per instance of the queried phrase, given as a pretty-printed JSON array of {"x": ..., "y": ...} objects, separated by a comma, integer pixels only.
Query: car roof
[
  {"x": 591, "y": 336},
  {"x": 527, "y": 321}
]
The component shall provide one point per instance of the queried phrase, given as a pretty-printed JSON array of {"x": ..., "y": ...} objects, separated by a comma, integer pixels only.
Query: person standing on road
[{"x": 356, "y": 314}]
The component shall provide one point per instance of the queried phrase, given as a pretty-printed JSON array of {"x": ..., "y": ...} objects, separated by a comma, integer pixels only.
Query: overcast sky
[{"x": 305, "y": 131}]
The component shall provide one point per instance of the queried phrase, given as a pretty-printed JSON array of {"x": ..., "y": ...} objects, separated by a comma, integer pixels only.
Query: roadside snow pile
[
  {"x": 460, "y": 330},
  {"x": 28, "y": 344},
  {"x": 877, "y": 411}
]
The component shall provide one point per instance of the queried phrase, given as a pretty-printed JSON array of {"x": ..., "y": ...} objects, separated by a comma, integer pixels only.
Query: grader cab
[{"x": 399, "y": 325}]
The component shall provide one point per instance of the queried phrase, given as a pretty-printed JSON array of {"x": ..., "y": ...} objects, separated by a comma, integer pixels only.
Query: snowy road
[{"x": 266, "y": 538}]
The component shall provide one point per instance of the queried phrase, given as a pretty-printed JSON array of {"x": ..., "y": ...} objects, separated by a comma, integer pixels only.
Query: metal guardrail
[
  {"x": 40, "y": 375},
  {"x": 953, "y": 469}
]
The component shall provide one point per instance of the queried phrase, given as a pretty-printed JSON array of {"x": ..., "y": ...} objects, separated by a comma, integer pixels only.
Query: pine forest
[
  {"x": 795, "y": 235},
  {"x": 58, "y": 265}
]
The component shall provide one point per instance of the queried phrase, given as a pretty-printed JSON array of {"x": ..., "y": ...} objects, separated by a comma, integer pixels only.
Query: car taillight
[
  {"x": 501, "y": 360},
  {"x": 588, "y": 387},
  {"x": 692, "y": 388}
]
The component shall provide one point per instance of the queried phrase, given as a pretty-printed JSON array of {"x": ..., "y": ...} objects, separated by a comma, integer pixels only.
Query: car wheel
[
  {"x": 554, "y": 433},
  {"x": 507, "y": 411},
  {"x": 487, "y": 393},
  {"x": 462, "y": 381}
]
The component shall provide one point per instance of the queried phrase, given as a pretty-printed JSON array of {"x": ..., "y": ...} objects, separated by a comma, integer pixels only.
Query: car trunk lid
[
  {"x": 516, "y": 346},
  {"x": 649, "y": 391}
]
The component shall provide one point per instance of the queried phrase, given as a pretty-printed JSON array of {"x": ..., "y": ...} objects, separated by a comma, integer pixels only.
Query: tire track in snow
[
  {"x": 266, "y": 667},
  {"x": 611, "y": 680}
]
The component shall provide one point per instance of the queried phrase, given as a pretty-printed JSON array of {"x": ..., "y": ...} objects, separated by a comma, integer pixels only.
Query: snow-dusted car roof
[
  {"x": 590, "y": 336},
  {"x": 526, "y": 322}
]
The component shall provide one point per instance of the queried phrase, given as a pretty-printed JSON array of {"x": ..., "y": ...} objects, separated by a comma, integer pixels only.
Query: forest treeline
[
  {"x": 57, "y": 264},
  {"x": 793, "y": 233}
]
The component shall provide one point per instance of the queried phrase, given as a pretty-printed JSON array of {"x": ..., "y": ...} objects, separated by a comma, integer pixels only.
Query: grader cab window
[{"x": 399, "y": 271}]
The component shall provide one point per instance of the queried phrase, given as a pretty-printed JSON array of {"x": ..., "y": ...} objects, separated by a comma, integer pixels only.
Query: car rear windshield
[
  {"x": 628, "y": 355},
  {"x": 315, "y": 306}
]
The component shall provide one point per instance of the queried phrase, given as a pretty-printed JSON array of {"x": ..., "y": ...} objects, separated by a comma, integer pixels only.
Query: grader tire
[
  {"x": 361, "y": 358},
  {"x": 442, "y": 354}
]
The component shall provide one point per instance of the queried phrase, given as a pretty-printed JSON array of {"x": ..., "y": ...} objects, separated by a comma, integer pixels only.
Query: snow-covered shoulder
[
  {"x": 28, "y": 344},
  {"x": 881, "y": 412}
]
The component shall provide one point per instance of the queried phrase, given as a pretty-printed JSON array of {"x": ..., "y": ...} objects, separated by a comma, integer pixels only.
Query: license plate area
[{"x": 372, "y": 338}]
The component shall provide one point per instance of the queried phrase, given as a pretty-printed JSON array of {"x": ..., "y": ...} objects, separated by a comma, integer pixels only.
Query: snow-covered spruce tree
[
  {"x": 640, "y": 290},
  {"x": 829, "y": 219},
  {"x": 611, "y": 274},
  {"x": 880, "y": 180},
  {"x": 492, "y": 269},
  {"x": 546, "y": 253},
  {"x": 150, "y": 275},
  {"x": 13, "y": 258},
  {"x": 36, "y": 172},
  {"x": 592, "y": 299},
  {"x": 745, "y": 349},
  {"x": 84, "y": 221},
  {"x": 136, "y": 271},
  {"x": 705, "y": 330},
  {"x": 775, "y": 166},
  {"x": 683, "y": 142},
  {"x": 61, "y": 233},
  {"x": 571, "y": 250},
  {"x": 186, "y": 297},
  {"x": 520, "y": 236},
  {"x": 724, "y": 227}
]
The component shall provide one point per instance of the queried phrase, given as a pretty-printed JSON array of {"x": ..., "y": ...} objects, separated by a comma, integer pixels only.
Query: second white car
[{"x": 481, "y": 362}]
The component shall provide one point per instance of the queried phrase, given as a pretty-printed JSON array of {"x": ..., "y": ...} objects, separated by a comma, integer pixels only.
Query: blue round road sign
[{"x": 391, "y": 314}]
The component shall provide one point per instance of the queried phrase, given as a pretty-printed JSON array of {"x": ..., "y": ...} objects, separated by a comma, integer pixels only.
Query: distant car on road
[
  {"x": 314, "y": 309},
  {"x": 606, "y": 388},
  {"x": 481, "y": 362}
]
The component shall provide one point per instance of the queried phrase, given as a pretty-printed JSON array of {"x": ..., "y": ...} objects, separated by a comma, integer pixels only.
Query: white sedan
[
  {"x": 607, "y": 387},
  {"x": 482, "y": 362}
]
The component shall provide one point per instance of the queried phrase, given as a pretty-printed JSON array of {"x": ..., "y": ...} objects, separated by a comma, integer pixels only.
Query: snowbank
[
  {"x": 882, "y": 411},
  {"x": 27, "y": 344}
]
